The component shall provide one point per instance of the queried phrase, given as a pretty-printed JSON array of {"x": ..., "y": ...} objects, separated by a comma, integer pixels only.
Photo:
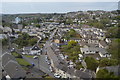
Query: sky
[
  {"x": 60, "y": 0},
  {"x": 55, "y": 6}
]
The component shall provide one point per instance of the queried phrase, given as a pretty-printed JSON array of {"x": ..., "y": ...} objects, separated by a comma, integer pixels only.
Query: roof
[
  {"x": 114, "y": 69},
  {"x": 5, "y": 58},
  {"x": 103, "y": 43},
  {"x": 14, "y": 70},
  {"x": 81, "y": 74},
  {"x": 27, "y": 48},
  {"x": 62, "y": 67},
  {"x": 101, "y": 50},
  {"x": 35, "y": 47}
]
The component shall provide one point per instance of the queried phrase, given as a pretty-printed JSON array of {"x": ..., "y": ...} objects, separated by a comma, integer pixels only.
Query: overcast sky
[
  {"x": 60, "y": 0},
  {"x": 8, "y": 7}
]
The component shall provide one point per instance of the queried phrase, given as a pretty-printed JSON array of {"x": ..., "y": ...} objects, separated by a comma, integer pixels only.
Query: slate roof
[
  {"x": 114, "y": 69},
  {"x": 103, "y": 43},
  {"x": 5, "y": 58},
  {"x": 14, "y": 70},
  {"x": 35, "y": 47},
  {"x": 82, "y": 75}
]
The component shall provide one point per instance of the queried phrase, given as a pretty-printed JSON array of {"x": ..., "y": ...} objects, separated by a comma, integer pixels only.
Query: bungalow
[
  {"x": 101, "y": 51},
  {"x": 89, "y": 50}
]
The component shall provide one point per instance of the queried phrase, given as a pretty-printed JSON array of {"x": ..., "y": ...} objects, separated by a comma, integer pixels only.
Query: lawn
[
  {"x": 22, "y": 62},
  {"x": 29, "y": 56}
]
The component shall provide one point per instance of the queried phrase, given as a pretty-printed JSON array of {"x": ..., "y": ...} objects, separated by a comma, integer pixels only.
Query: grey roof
[
  {"x": 103, "y": 51},
  {"x": 14, "y": 70},
  {"x": 35, "y": 47},
  {"x": 103, "y": 43},
  {"x": 114, "y": 69},
  {"x": 5, "y": 58},
  {"x": 27, "y": 48},
  {"x": 62, "y": 67},
  {"x": 81, "y": 74}
]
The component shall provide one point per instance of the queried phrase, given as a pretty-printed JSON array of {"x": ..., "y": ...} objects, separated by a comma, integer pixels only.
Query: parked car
[
  {"x": 51, "y": 69},
  {"x": 57, "y": 75},
  {"x": 35, "y": 57}
]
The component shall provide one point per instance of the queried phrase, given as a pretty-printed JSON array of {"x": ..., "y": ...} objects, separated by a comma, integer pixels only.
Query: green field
[{"x": 22, "y": 62}]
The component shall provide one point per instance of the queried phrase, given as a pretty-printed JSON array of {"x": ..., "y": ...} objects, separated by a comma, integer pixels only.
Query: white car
[
  {"x": 56, "y": 75},
  {"x": 51, "y": 69},
  {"x": 35, "y": 57}
]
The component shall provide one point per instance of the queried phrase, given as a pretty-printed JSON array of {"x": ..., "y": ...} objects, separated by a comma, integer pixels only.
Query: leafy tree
[
  {"x": 25, "y": 40},
  {"x": 103, "y": 73},
  {"x": 72, "y": 50},
  {"x": 108, "y": 62},
  {"x": 72, "y": 43},
  {"x": 114, "y": 49},
  {"x": 92, "y": 64},
  {"x": 38, "y": 25},
  {"x": 113, "y": 32},
  {"x": 32, "y": 41},
  {"x": 4, "y": 41}
]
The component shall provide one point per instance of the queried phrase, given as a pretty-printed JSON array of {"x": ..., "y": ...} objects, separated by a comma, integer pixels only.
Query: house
[
  {"x": 103, "y": 44},
  {"x": 57, "y": 40},
  {"x": 89, "y": 50},
  {"x": 7, "y": 29},
  {"x": 62, "y": 71},
  {"x": 108, "y": 40},
  {"x": 14, "y": 70},
  {"x": 101, "y": 51},
  {"x": 11, "y": 67},
  {"x": 6, "y": 57},
  {"x": 26, "y": 50},
  {"x": 35, "y": 50},
  {"x": 114, "y": 69},
  {"x": 24, "y": 31},
  {"x": 2, "y": 36},
  {"x": 20, "y": 26}
]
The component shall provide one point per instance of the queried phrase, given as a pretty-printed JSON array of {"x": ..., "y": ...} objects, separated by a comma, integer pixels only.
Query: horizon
[{"x": 55, "y": 7}]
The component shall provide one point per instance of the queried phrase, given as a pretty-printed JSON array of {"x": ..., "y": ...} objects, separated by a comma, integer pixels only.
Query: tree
[
  {"x": 72, "y": 43},
  {"x": 4, "y": 41},
  {"x": 103, "y": 73},
  {"x": 38, "y": 25},
  {"x": 92, "y": 64},
  {"x": 113, "y": 32},
  {"x": 114, "y": 49},
  {"x": 32, "y": 41},
  {"x": 108, "y": 62}
]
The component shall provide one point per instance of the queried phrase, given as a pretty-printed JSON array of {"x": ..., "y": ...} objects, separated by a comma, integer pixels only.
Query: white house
[{"x": 35, "y": 50}]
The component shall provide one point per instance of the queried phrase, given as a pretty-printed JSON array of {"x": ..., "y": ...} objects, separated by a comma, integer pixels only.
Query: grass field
[
  {"x": 22, "y": 62},
  {"x": 29, "y": 56}
]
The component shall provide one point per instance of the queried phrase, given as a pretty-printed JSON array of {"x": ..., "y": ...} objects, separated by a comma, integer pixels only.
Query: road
[{"x": 42, "y": 65}]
